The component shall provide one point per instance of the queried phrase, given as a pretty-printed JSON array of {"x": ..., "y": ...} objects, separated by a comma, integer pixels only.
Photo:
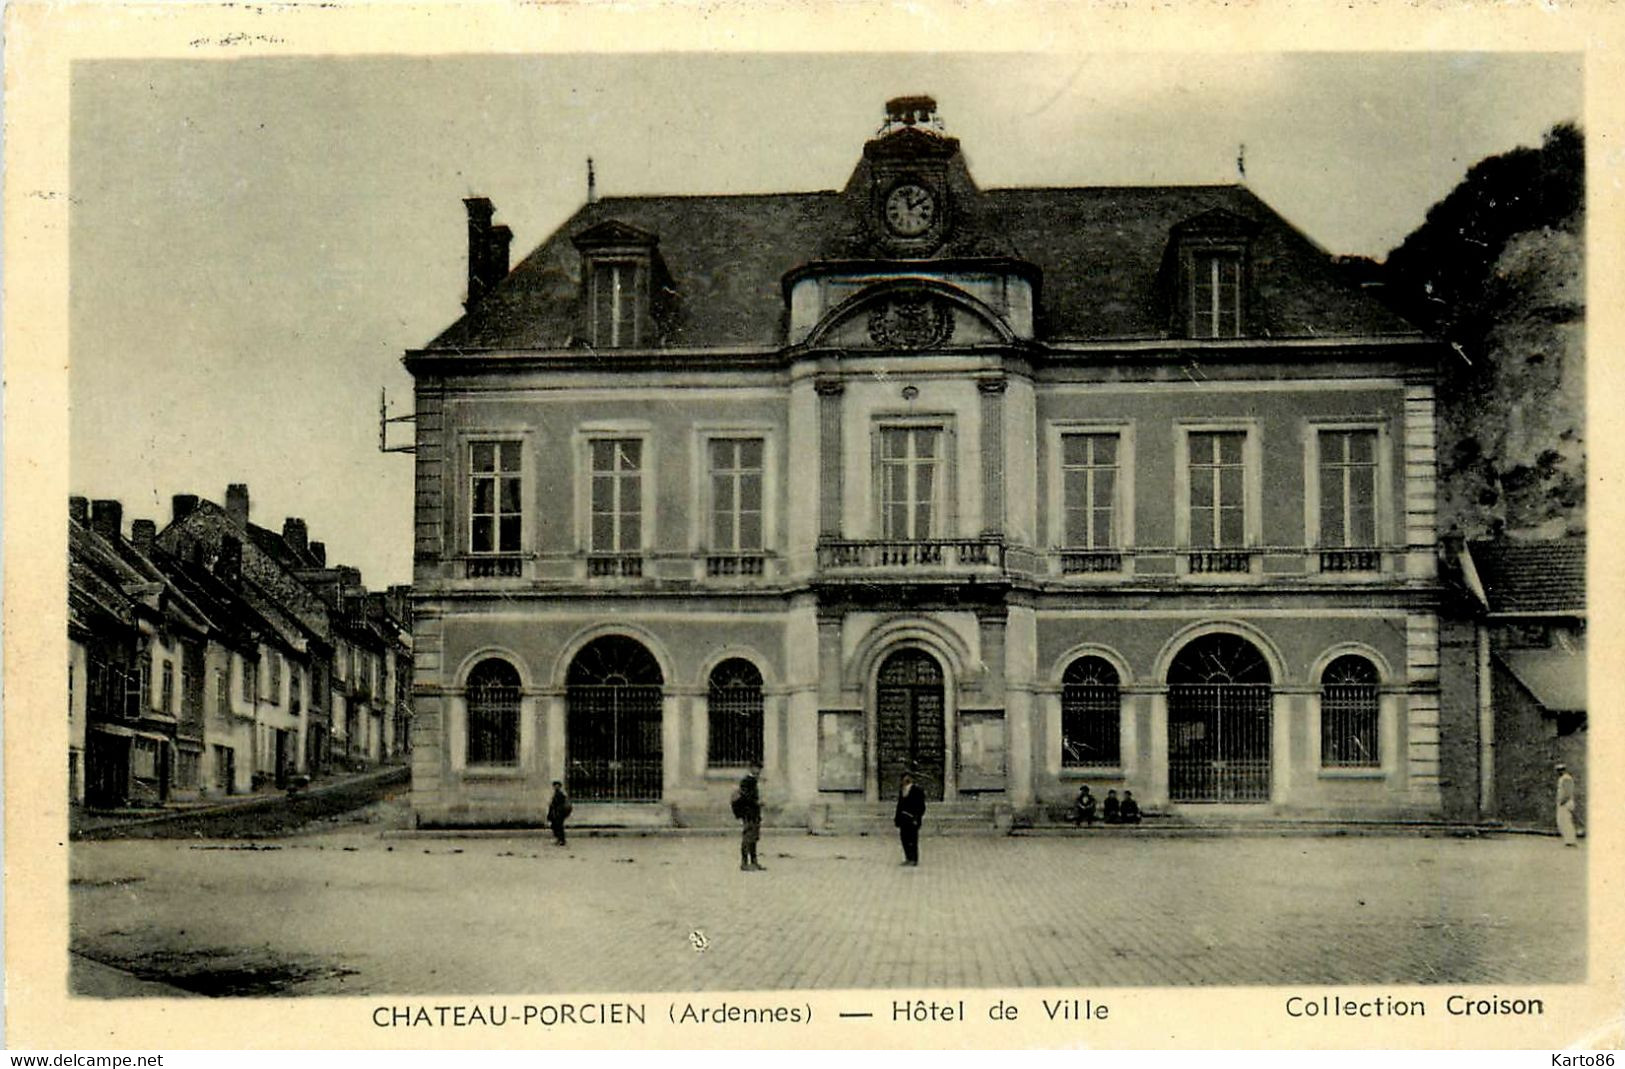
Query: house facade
[
  {"x": 1012, "y": 489},
  {"x": 201, "y": 659}
]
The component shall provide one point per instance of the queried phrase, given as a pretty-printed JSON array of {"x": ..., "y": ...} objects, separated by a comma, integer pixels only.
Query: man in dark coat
[
  {"x": 1113, "y": 807},
  {"x": 558, "y": 810},
  {"x": 747, "y": 806},
  {"x": 1129, "y": 812},
  {"x": 910, "y": 815}
]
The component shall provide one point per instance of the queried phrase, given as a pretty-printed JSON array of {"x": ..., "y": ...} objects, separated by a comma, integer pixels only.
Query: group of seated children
[{"x": 1124, "y": 811}]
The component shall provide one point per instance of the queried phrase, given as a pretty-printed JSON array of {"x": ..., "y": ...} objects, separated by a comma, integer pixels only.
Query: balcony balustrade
[
  {"x": 494, "y": 567},
  {"x": 938, "y": 555},
  {"x": 615, "y": 566}
]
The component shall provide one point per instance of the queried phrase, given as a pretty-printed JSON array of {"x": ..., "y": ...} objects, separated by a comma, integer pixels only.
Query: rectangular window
[
  {"x": 617, "y": 495},
  {"x": 295, "y": 699},
  {"x": 1089, "y": 490},
  {"x": 274, "y": 684},
  {"x": 736, "y": 495},
  {"x": 911, "y": 462},
  {"x": 494, "y": 497},
  {"x": 1218, "y": 490},
  {"x": 1348, "y": 489},
  {"x": 166, "y": 694},
  {"x": 248, "y": 680},
  {"x": 1215, "y": 295},
  {"x": 222, "y": 691},
  {"x": 615, "y": 311}
]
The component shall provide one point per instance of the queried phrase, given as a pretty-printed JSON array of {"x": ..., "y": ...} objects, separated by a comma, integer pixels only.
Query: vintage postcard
[{"x": 1025, "y": 525}]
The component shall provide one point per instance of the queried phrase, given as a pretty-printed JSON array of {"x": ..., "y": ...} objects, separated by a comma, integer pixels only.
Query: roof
[
  {"x": 1100, "y": 250},
  {"x": 1536, "y": 577},
  {"x": 1556, "y": 677}
]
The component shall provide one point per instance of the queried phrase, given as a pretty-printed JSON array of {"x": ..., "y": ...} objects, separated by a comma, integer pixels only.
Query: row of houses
[{"x": 216, "y": 657}]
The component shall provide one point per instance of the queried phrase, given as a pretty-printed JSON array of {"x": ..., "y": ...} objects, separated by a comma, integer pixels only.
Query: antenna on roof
[
  {"x": 385, "y": 419},
  {"x": 1241, "y": 161},
  {"x": 592, "y": 183}
]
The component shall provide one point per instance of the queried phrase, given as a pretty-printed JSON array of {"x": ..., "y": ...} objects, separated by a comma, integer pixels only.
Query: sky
[{"x": 255, "y": 242}]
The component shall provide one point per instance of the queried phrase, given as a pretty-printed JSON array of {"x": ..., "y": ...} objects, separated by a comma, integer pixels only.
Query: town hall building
[{"x": 1011, "y": 489}]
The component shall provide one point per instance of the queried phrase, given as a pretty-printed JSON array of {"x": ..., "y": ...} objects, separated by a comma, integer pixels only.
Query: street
[{"x": 345, "y": 910}]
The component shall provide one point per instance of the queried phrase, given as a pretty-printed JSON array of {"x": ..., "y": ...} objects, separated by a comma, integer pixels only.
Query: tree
[{"x": 1497, "y": 272}]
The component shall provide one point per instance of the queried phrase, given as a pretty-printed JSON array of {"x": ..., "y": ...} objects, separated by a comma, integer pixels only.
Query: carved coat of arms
[{"x": 911, "y": 321}]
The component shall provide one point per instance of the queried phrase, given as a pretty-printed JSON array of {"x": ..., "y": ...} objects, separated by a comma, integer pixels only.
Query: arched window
[
  {"x": 1219, "y": 718},
  {"x": 1348, "y": 714},
  {"x": 1089, "y": 714},
  {"x": 735, "y": 710},
  {"x": 493, "y": 714},
  {"x": 613, "y": 716}
]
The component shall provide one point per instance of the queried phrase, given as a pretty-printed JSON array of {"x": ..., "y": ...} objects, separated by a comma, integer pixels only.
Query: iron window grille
[
  {"x": 493, "y": 714},
  {"x": 735, "y": 712},
  {"x": 1090, "y": 704},
  {"x": 1349, "y": 714}
]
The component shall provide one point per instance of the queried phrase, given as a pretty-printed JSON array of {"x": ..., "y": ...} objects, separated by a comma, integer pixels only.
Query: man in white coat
[{"x": 1565, "y": 807}]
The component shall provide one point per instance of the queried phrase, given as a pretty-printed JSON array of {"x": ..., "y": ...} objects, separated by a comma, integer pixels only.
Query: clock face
[{"x": 910, "y": 210}]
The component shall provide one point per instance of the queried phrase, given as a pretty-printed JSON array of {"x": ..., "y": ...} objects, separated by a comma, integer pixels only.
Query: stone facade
[{"x": 1012, "y": 489}]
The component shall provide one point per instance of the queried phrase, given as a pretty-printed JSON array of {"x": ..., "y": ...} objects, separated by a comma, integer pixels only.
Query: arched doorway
[
  {"x": 612, "y": 714},
  {"x": 909, "y": 713},
  {"x": 1219, "y": 722}
]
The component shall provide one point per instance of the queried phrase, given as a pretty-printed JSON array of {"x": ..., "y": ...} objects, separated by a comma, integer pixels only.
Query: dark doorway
[
  {"x": 1219, "y": 722},
  {"x": 613, "y": 717},
  {"x": 909, "y": 722}
]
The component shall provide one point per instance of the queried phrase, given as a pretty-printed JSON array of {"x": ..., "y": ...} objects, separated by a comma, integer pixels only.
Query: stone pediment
[{"x": 910, "y": 316}]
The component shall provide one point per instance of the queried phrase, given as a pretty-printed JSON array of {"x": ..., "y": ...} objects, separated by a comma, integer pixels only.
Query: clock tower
[{"x": 910, "y": 202}]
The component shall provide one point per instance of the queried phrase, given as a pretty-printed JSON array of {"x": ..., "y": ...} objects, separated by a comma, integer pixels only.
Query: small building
[
  {"x": 1011, "y": 489},
  {"x": 1530, "y": 619}
]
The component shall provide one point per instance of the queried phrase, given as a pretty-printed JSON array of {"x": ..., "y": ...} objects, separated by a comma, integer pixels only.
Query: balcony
[
  {"x": 1350, "y": 560},
  {"x": 493, "y": 567},
  {"x": 1220, "y": 562},
  {"x": 615, "y": 566},
  {"x": 938, "y": 556},
  {"x": 734, "y": 564},
  {"x": 1090, "y": 561}
]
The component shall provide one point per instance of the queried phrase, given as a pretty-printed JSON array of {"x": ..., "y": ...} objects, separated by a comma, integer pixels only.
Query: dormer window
[
  {"x": 616, "y": 300},
  {"x": 1209, "y": 253},
  {"x": 619, "y": 264},
  {"x": 1215, "y": 297}
]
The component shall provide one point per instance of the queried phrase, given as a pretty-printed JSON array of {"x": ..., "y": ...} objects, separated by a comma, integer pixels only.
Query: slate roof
[
  {"x": 1540, "y": 576},
  {"x": 1556, "y": 678},
  {"x": 1100, "y": 250}
]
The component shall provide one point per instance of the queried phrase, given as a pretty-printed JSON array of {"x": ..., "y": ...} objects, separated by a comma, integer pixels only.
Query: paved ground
[{"x": 344, "y": 911}]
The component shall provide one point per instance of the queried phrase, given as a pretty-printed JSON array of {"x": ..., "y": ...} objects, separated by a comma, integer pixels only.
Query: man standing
[
  {"x": 910, "y": 815},
  {"x": 747, "y": 806},
  {"x": 558, "y": 810},
  {"x": 1565, "y": 807}
]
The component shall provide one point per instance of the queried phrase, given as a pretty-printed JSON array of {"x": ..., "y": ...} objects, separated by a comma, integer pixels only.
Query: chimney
[
  {"x": 107, "y": 518},
  {"x": 488, "y": 248},
  {"x": 349, "y": 577},
  {"x": 237, "y": 503},
  {"x": 228, "y": 566},
  {"x": 181, "y": 506},
  {"x": 295, "y": 534},
  {"x": 79, "y": 510},
  {"x": 318, "y": 553},
  {"x": 142, "y": 534}
]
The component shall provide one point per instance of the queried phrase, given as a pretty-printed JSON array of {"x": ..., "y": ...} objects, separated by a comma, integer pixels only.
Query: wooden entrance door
[{"x": 909, "y": 712}]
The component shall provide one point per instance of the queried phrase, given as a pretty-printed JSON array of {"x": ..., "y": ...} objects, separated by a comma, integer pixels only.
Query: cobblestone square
[{"x": 346, "y": 911}]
